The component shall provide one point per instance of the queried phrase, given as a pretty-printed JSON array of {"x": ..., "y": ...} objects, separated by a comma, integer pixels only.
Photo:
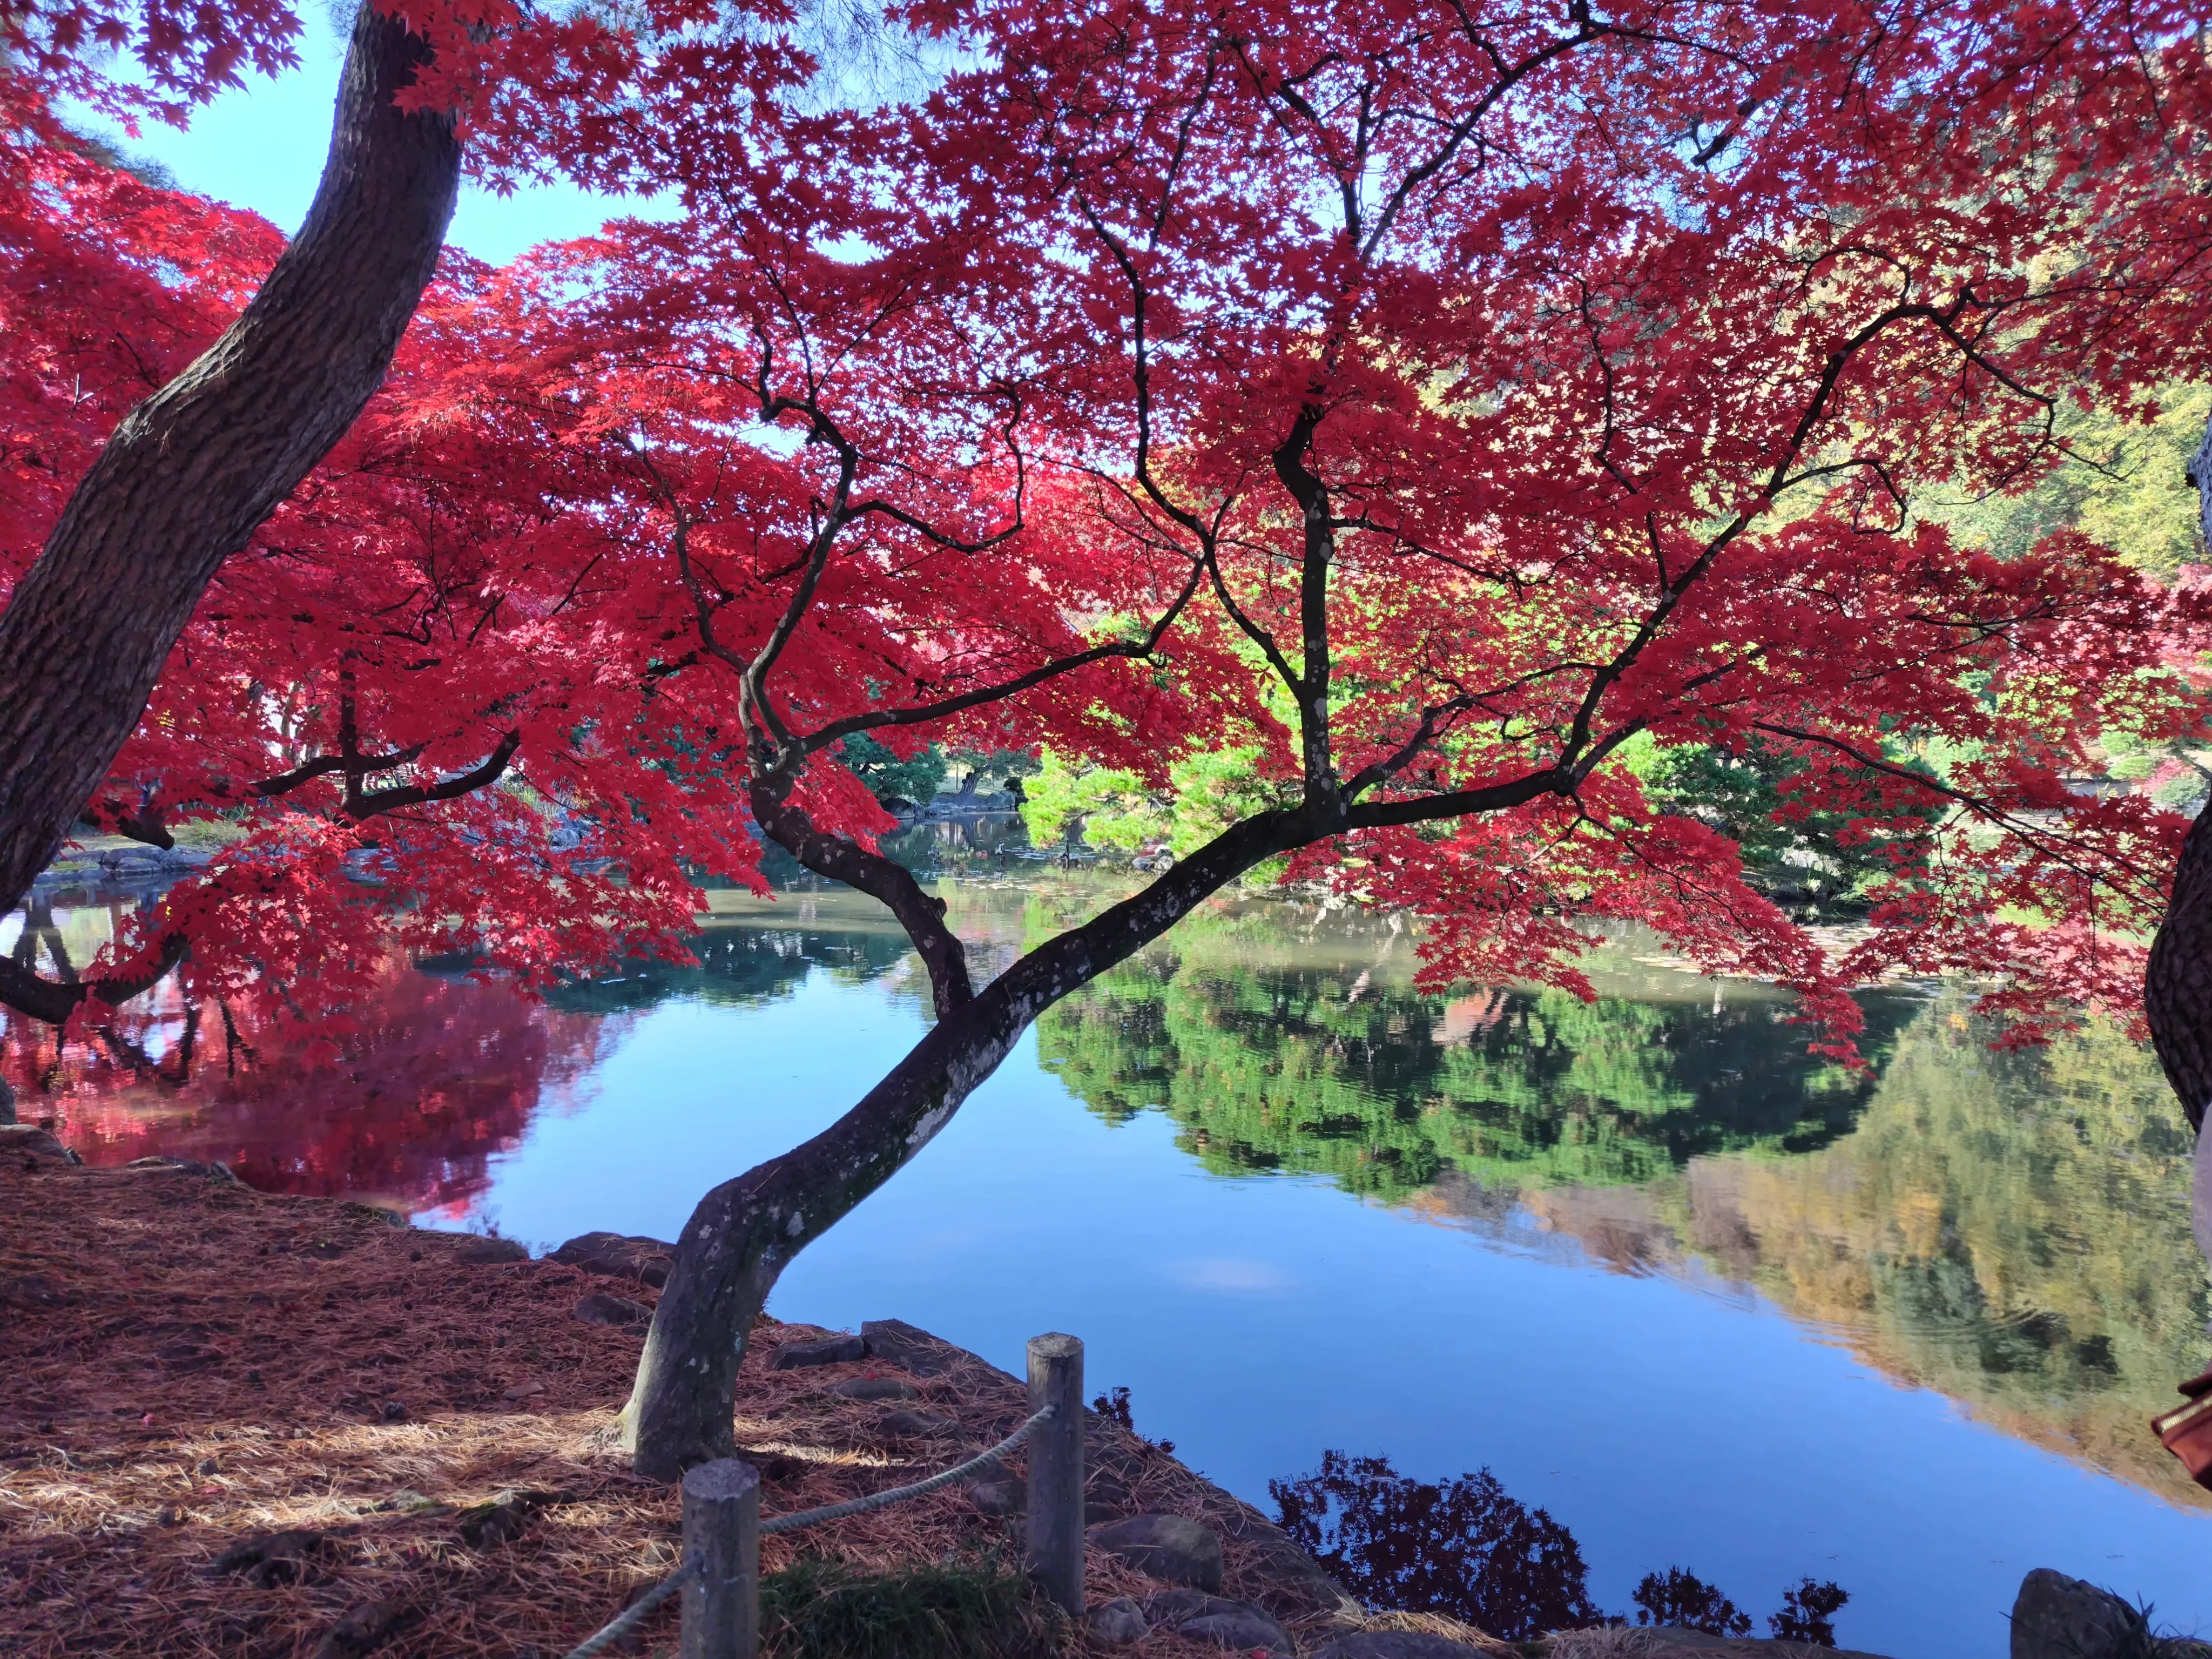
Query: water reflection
[
  {"x": 435, "y": 1075},
  {"x": 1465, "y": 1548},
  {"x": 1303, "y": 1065},
  {"x": 1471, "y": 1551},
  {"x": 434, "y": 1079},
  {"x": 2011, "y": 1229}
]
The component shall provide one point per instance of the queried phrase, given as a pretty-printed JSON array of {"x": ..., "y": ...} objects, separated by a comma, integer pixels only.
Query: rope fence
[{"x": 719, "y": 1578}]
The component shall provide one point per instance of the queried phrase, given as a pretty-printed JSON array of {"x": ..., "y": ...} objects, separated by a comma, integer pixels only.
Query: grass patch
[{"x": 820, "y": 1610}]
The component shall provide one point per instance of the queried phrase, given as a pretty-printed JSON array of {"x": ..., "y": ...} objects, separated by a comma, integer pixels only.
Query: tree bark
[
  {"x": 192, "y": 472},
  {"x": 2178, "y": 987},
  {"x": 745, "y": 1232}
]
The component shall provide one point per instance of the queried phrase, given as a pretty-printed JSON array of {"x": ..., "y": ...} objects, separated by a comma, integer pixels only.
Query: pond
[{"x": 1707, "y": 1301}]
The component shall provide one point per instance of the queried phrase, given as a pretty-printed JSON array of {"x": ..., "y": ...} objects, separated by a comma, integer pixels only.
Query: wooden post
[
  {"x": 722, "y": 1532},
  {"x": 1055, "y": 1449}
]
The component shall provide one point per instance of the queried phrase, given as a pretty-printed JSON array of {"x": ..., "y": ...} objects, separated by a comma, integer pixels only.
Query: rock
[
  {"x": 619, "y": 1256},
  {"x": 1166, "y": 1546},
  {"x": 1393, "y": 1645},
  {"x": 34, "y": 1147},
  {"x": 273, "y": 1558},
  {"x": 483, "y": 1252},
  {"x": 916, "y": 1426},
  {"x": 874, "y": 1387},
  {"x": 1105, "y": 1498},
  {"x": 1250, "y": 1631},
  {"x": 2056, "y": 1617},
  {"x": 485, "y": 1526},
  {"x": 774, "y": 1466},
  {"x": 1171, "y": 1607},
  {"x": 523, "y": 1391},
  {"x": 361, "y": 1631},
  {"x": 1003, "y": 1496},
  {"x": 600, "y": 1309},
  {"x": 830, "y": 1350},
  {"x": 175, "y": 1166},
  {"x": 909, "y": 1348},
  {"x": 1115, "y": 1624},
  {"x": 1205, "y": 1618},
  {"x": 394, "y": 1411}
]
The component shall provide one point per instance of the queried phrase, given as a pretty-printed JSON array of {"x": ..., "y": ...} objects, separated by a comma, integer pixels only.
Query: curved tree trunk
[
  {"x": 745, "y": 1232},
  {"x": 2178, "y": 988},
  {"x": 192, "y": 472}
]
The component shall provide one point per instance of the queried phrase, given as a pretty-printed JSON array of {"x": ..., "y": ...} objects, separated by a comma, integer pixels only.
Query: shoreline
[{"x": 414, "y": 1430}]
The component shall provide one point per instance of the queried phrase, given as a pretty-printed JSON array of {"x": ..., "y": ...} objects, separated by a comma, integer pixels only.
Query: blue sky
[{"x": 263, "y": 148}]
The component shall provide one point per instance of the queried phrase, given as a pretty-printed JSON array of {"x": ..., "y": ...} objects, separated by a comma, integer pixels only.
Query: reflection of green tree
[
  {"x": 2010, "y": 1229},
  {"x": 737, "y": 965},
  {"x": 1285, "y": 1065}
]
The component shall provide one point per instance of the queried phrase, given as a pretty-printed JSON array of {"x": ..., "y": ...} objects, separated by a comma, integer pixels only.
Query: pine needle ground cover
[{"x": 392, "y": 1443}]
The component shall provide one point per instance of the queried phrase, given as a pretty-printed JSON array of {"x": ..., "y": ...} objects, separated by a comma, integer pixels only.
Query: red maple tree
[{"x": 1447, "y": 401}]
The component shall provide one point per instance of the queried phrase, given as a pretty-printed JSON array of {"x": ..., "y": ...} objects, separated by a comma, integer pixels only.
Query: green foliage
[
  {"x": 1108, "y": 806},
  {"x": 889, "y": 778},
  {"x": 990, "y": 766},
  {"x": 2134, "y": 499},
  {"x": 821, "y": 1609},
  {"x": 1115, "y": 810},
  {"x": 1743, "y": 795}
]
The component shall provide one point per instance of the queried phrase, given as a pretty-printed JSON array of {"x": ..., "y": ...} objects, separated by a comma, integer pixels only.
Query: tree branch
[{"x": 27, "y": 993}]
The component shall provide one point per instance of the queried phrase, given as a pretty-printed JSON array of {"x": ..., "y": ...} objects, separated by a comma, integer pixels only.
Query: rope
[
  {"x": 633, "y": 1614},
  {"x": 899, "y": 1494}
]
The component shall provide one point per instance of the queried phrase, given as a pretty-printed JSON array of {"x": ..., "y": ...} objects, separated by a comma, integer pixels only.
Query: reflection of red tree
[{"x": 431, "y": 1078}]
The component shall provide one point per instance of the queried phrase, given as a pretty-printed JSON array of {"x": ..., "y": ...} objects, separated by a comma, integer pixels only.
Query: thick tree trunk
[
  {"x": 745, "y": 1231},
  {"x": 2178, "y": 988},
  {"x": 193, "y": 471}
]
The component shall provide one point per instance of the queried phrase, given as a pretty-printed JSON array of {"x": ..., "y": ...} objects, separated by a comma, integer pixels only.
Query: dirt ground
[{"x": 190, "y": 1366}]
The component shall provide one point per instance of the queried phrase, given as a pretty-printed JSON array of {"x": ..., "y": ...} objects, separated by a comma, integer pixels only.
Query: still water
[{"x": 1707, "y": 1301}]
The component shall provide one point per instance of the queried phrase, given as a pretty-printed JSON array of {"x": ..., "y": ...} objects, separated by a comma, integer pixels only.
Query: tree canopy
[{"x": 1442, "y": 403}]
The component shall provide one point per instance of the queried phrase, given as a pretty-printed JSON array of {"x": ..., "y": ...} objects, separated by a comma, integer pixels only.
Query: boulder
[
  {"x": 774, "y": 1466},
  {"x": 157, "y": 1165},
  {"x": 1168, "y": 1547},
  {"x": 619, "y": 1256},
  {"x": 487, "y": 1526},
  {"x": 1204, "y": 1618},
  {"x": 874, "y": 1387},
  {"x": 916, "y": 1426},
  {"x": 1105, "y": 1498},
  {"x": 34, "y": 1146},
  {"x": 1395, "y": 1644},
  {"x": 600, "y": 1309},
  {"x": 361, "y": 1631},
  {"x": 484, "y": 1252},
  {"x": 1115, "y": 1624},
  {"x": 997, "y": 1495},
  {"x": 909, "y": 1348},
  {"x": 830, "y": 1350},
  {"x": 272, "y": 1558},
  {"x": 2056, "y": 1617},
  {"x": 1250, "y": 1631}
]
